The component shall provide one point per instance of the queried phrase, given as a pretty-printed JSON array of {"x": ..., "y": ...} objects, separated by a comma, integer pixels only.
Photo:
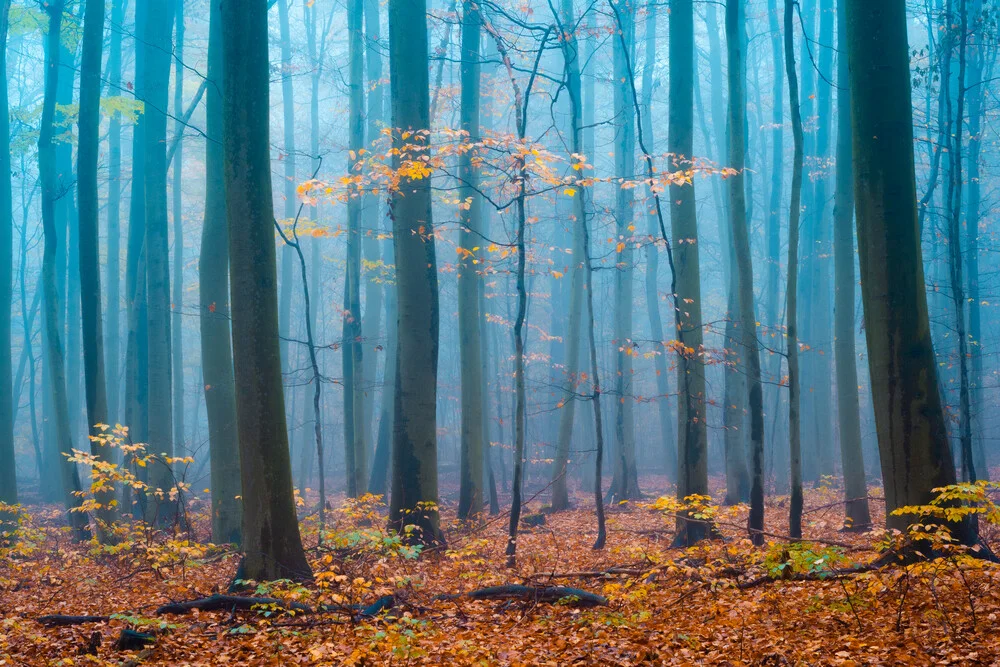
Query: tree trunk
[
  {"x": 355, "y": 428},
  {"x": 742, "y": 268},
  {"x": 470, "y": 501},
  {"x": 213, "y": 285},
  {"x": 156, "y": 36},
  {"x": 414, "y": 452},
  {"x": 625, "y": 478},
  {"x": 8, "y": 480},
  {"x": 177, "y": 195},
  {"x": 271, "y": 537},
  {"x": 692, "y": 440},
  {"x": 90, "y": 273},
  {"x": 289, "y": 158},
  {"x": 112, "y": 332},
  {"x": 909, "y": 419},
  {"x": 856, "y": 514},
  {"x": 50, "y": 192},
  {"x": 791, "y": 292}
]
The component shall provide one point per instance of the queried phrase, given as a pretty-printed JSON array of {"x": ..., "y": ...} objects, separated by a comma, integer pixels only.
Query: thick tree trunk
[
  {"x": 856, "y": 513},
  {"x": 692, "y": 440},
  {"x": 742, "y": 268},
  {"x": 414, "y": 452},
  {"x": 271, "y": 537},
  {"x": 909, "y": 419},
  {"x": 213, "y": 285},
  {"x": 470, "y": 501},
  {"x": 156, "y": 36}
]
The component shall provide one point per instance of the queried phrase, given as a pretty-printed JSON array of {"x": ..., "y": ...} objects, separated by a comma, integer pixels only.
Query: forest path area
[{"x": 712, "y": 604}]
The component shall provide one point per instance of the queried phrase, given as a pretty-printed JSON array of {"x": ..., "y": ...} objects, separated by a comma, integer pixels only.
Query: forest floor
[{"x": 717, "y": 603}]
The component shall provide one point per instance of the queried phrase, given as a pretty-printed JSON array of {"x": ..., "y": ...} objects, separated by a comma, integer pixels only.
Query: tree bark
[
  {"x": 856, "y": 513},
  {"x": 909, "y": 419},
  {"x": 271, "y": 537},
  {"x": 414, "y": 452},
  {"x": 470, "y": 502},
  {"x": 692, "y": 440},
  {"x": 8, "y": 479},
  {"x": 213, "y": 285}
]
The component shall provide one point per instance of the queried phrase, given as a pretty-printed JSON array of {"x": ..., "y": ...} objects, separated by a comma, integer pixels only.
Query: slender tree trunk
[
  {"x": 976, "y": 86},
  {"x": 271, "y": 537},
  {"x": 213, "y": 285},
  {"x": 791, "y": 293},
  {"x": 8, "y": 480},
  {"x": 909, "y": 418},
  {"x": 112, "y": 333},
  {"x": 955, "y": 261},
  {"x": 692, "y": 440},
  {"x": 571, "y": 57},
  {"x": 856, "y": 513},
  {"x": 414, "y": 451},
  {"x": 289, "y": 158},
  {"x": 470, "y": 501},
  {"x": 50, "y": 192},
  {"x": 90, "y": 273},
  {"x": 177, "y": 195},
  {"x": 355, "y": 428}
]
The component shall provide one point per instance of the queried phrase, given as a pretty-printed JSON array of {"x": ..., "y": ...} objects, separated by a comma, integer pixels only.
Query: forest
[{"x": 496, "y": 332}]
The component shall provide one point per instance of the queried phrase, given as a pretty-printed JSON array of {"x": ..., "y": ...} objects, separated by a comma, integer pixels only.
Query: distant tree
[
  {"x": 177, "y": 207},
  {"x": 909, "y": 418},
  {"x": 355, "y": 429},
  {"x": 414, "y": 453},
  {"x": 271, "y": 539},
  {"x": 213, "y": 283},
  {"x": 112, "y": 330},
  {"x": 8, "y": 479}
]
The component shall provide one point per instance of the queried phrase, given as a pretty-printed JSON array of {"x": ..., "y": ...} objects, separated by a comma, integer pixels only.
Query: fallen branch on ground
[{"x": 573, "y": 597}]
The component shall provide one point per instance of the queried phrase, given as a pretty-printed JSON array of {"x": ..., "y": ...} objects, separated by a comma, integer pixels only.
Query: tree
[
  {"x": 213, "y": 283},
  {"x": 857, "y": 516},
  {"x": 572, "y": 62},
  {"x": 909, "y": 419},
  {"x": 625, "y": 478},
  {"x": 692, "y": 439},
  {"x": 156, "y": 42},
  {"x": 90, "y": 273},
  {"x": 112, "y": 331},
  {"x": 737, "y": 209},
  {"x": 792, "y": 292},
  {"x": 271, "y": 537},
  {"x": 177, "y": 202},
  {"x": 355, "y": 429},
  {"x": 470, "y": 346},
  {"x": 289, "y": 159},
  {"x": 414, "y": 451},
  {"x": 8, "y": 479},
  {"x": 50, "y": 192}
]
